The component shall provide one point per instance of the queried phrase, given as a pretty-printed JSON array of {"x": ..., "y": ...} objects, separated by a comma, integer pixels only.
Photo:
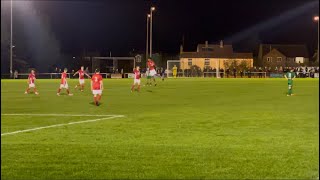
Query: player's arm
[
  {"x": 76, "y": 73},
  {"x": 87, "y": 75},
  {"x": 285, "y": 76},
  {"x": 101, "y": 85}
]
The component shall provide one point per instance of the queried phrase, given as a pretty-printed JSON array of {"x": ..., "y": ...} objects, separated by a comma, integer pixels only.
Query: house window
[
  {"x": 279, "y": 59},
  {"x": 207, "y": 62},
  {"x": 269, "y": 59},
  {"x": 190, "y": 62}
]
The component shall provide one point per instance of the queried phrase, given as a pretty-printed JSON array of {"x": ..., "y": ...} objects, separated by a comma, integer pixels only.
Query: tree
[{"x": 243, "y": 65}]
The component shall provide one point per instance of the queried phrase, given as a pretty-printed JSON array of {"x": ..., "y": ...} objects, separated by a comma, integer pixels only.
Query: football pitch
[{"x": 181, "y": 129}]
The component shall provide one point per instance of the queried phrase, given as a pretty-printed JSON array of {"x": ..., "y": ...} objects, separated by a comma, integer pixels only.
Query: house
[
  {"x": 214, "y": 56},
  {"x": 285, "y": 55}
]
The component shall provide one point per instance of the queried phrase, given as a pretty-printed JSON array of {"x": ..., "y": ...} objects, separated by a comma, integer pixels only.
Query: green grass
[{"x": 181, "y": 129}]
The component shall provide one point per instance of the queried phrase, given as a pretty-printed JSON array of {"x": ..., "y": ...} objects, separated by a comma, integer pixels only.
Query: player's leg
[
  {"x": 95, "y": 99},
  {"x": 138, "y": 82},
  {"x": 154, "y": 80},
  {"x": 132, "y": 87},
  {"x": 27, "y": 90},
  {"x": 81, "y": 81},
  {"x": 289, "y": 89},
  {"x": 35, "y": 90}
]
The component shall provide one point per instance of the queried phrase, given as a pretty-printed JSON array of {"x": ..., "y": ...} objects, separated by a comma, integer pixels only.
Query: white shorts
[
  {"x": 95, "y": 92},
  {"x": 64, "y": 86},
  {"x": 136, "y": 81},
  {"x": 32, "y": 85},
  {"x": 153, "y": 72},
  {"x": 81, "y": 81}
]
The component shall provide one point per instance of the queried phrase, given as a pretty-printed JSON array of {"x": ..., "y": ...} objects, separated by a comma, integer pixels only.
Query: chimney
[
  {"x": 206, "y": 43},
  {"x": 181, "y": 49},
  {"x": 221, "y": 44}
]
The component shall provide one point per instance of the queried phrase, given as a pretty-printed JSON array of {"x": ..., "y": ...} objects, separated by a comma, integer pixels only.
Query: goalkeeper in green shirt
[{"x": 290, "y": 76}]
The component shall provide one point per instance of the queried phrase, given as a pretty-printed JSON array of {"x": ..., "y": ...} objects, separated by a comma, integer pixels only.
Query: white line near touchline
[
  {"x": 58, "y": 125},
  {"x": 66, "y": 115}
]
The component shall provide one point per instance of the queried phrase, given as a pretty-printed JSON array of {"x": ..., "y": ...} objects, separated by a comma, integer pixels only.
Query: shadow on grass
[{"x": 92, "y": 103}]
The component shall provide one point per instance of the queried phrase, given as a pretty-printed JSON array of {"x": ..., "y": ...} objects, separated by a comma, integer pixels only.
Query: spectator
[
  {"x": 241, "y": 73},
  {"x": 56, "y": 71},
  {"x": 228, "y": 71},
  {"x": 221, "y": 73},
  {"x": 260, "y": 72},
  {"x": 15, "y": 75},
  {"x": 249, "y": 73},
  {"x": 304, "y": 72},
  {"x": 87, "y": 70},
  {"x": 234, "y": 72}
]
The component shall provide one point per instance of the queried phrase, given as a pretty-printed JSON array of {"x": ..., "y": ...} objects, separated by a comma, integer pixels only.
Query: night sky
[{"x": 120, "y": 25}]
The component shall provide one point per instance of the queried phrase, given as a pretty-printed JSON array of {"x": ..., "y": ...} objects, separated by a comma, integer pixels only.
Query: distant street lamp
[
  {"x": 147, "y": 42},
  {"x": 151, "y": 10},
  {"x": 316, "y": 18}
]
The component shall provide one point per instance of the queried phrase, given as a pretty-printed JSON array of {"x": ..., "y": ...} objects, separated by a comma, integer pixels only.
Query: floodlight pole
[
  {"x": 151, "y": 9},
  {"x": 318, "y": 43},
  {"x": 147, "y": 42},
  {"x": 11, "y": 46}
]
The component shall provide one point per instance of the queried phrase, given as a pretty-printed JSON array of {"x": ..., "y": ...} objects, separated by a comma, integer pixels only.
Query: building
[
  {"x": 214, "y": 56},
  {"x": 285, "y": 55}
]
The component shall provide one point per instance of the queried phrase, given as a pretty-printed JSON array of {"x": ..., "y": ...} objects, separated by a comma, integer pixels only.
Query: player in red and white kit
[
  {"x": 97, "y": 86},
  {"x": 152, "y": 71},
  {"x": 136, "y": 80},
  {"x": 81, "y": 73},
  {"x": 64, "y": 83},
  {"x": 31, "y": 80}
]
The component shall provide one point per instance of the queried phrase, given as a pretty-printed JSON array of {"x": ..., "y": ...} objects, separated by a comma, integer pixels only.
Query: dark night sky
[{"x": 120, "y": 25}]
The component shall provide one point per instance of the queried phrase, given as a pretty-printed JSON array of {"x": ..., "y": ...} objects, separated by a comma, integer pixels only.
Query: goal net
[{"x": 170, "y": 66}]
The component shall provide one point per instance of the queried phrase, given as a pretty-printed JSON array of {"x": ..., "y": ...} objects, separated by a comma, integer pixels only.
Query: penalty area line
[{"x": 58, "y": 125}]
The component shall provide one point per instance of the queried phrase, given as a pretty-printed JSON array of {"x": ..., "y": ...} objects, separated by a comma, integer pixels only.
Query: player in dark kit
[{"x": 290, "y": 76}]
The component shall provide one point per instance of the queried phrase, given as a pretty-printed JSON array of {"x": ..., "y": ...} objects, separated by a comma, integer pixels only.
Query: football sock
[
  {"x": 289, "y": 91},
  {"x": 99, "y": 97},
  {"x": 27, "y": 90},
  {"x": 68, "y": 91},
  {"x": 35, "y": 90},
  {"x": 59, "y": 90},
  {"x": 138, "y": 88},
  {"x": 132, "y": 87}
]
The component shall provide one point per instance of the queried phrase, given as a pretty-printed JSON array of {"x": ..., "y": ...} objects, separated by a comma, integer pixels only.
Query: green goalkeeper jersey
[{"x": 290, "y": 76}]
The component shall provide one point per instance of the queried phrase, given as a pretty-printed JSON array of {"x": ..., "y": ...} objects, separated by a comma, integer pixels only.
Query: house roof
[
  {"x": 289, "y": 50},
  {"x": 217, "y": 52}
]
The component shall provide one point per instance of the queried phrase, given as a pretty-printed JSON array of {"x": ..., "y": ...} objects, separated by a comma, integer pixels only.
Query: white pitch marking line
[
  {"x": 66, "y": 115},
  {"x": 58, "y": 125}
]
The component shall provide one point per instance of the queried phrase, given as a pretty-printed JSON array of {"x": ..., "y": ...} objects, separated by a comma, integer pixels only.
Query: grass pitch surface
[{"x": 183, "y": 128}]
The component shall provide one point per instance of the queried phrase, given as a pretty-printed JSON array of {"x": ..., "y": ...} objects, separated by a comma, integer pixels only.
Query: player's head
[
  {"x": 138, "y": 68},
  {"x": 149, "y": 59},
  {"x": 97, "y": 71},
  {"x": 175, "y": 65},
  {"x": 82, "y": 68},
  {"x": 65, "y": 70},
  {"x": 32, "y": 71}
]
